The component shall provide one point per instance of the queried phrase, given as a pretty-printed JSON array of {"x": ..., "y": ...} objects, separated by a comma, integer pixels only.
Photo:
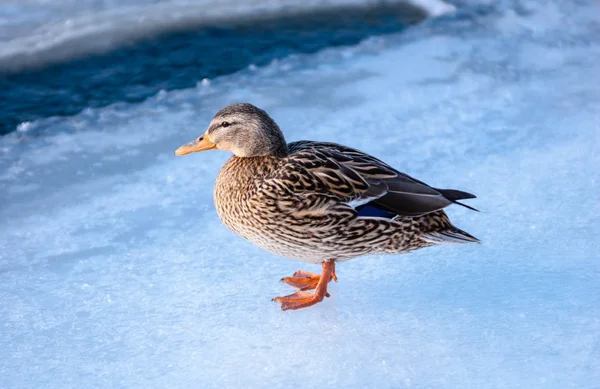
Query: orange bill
[{"x": 200, "y": 144}]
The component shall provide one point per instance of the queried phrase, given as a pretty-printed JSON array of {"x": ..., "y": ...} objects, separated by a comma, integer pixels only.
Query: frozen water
[
  {"x": 38, "y": 32},
  {"x": 116, "y": 272}
]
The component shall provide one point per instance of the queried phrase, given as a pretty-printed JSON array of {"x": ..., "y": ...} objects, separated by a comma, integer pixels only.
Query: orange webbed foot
[
  {"x": 297, "y": 300},
  {"x": 306, "y": 281}
]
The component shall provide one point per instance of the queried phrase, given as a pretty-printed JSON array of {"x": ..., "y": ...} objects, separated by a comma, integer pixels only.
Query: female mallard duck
[{"x": 318, "y": 202}]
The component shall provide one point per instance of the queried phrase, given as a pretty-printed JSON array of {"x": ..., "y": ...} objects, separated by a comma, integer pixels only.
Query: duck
[{"x": 318, "y": 202}]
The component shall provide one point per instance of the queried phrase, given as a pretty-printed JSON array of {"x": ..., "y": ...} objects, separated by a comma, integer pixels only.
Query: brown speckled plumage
[
  {"x": 318, "y": 202},
  {"x": 298, "y": 206}
]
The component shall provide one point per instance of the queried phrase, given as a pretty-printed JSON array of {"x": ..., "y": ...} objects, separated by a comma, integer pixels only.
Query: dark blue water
[{"x": 179, "y": 59}]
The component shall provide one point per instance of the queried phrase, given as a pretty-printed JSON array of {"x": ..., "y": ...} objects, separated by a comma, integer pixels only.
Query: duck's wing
[{"x": 361, "y": 181}]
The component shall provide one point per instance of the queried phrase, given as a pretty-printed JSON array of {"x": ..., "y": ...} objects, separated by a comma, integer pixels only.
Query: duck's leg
[
  {"x": 305, "y": 280},
  {"x": 302, "y": 299}
]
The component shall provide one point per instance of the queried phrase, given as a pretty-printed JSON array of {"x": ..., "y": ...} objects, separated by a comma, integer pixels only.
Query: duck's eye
[{"x": 225, "y": 124}]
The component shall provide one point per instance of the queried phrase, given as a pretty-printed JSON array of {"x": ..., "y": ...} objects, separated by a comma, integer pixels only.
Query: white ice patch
[{"x": 116, "y": 272}]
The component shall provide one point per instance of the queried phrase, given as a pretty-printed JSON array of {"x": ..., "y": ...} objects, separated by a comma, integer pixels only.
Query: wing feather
[{"x": 352, "y": 177}]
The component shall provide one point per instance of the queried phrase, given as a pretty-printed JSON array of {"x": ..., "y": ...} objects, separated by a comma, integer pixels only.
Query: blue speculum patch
[{"x": 368, "y": 210}]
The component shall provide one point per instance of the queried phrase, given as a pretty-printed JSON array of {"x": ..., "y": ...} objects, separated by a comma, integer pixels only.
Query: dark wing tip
[
  {"x": 453, "y": 194},
  {"x": 466, "y": 206}
]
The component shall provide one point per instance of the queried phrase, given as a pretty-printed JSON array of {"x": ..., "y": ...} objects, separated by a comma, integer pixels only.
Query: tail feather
[
  {"x": 438, "y": 229},
  {"x": 450, "y": 236}
]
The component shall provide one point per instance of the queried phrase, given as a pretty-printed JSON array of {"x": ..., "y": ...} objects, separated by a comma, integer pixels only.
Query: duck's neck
[
  {"x": 246, "y": 171},
  {"x": 281, "y": 151}
]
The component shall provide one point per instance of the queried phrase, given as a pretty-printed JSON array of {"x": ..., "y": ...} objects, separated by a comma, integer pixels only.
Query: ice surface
[
  {"x": 116, "y": 272},
  {"x": 38, "y": 32}
]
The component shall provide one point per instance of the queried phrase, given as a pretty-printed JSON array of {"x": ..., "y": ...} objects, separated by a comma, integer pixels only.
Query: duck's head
[{"x": 243, "y": 129}]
